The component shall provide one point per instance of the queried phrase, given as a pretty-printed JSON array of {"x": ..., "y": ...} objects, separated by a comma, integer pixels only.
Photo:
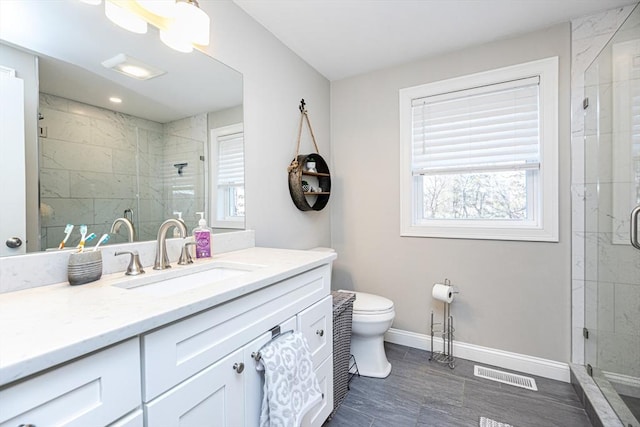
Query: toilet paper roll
[{"x": 443, "y": 292}]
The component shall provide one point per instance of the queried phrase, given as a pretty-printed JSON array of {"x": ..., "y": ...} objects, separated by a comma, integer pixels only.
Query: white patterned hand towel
[{"x": 291, "y": 388}]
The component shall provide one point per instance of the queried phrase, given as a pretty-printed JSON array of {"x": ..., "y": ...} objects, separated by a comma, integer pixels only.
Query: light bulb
[
  {"x": 193, "y": 21},
  {"x": 176, "y": 40},
  {"x": 124, "y": 18}
]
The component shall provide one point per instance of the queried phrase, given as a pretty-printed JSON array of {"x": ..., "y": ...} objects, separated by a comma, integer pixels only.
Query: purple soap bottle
[{"x": 202, "y": 236}]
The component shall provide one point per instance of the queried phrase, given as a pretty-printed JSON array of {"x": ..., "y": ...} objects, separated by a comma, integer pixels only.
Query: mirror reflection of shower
[{"x": 95, "y": 162}]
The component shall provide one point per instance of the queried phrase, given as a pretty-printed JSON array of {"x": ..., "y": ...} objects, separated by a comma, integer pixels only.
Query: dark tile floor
[{"x": 419, "y": 393}]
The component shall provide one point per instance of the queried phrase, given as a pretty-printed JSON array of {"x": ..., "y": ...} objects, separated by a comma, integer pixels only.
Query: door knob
[{"x": 13, "y": 242}]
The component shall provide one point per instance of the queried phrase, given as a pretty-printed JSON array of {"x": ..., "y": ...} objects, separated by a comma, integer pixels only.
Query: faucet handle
[
  {"x": 135, "y": 267},
  {"x": 185, "y": 255}
]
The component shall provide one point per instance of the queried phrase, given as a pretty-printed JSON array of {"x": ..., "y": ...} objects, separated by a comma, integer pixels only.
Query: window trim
[{"x": 546, "y": 225}]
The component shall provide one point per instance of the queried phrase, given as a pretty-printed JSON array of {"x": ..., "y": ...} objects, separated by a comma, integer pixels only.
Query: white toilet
[{"x": 372, "y": 317}]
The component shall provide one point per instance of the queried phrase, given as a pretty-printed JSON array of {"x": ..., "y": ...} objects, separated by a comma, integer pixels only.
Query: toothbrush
[
  {"x": 68, "y": 229},
  {"x": 90, "y": 237},
  {"x": 83, "y": 232},
  {"x": 103, "y": 239}
]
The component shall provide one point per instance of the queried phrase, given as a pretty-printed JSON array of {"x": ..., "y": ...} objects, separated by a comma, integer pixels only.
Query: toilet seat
[{"x": 369, "y": 304}]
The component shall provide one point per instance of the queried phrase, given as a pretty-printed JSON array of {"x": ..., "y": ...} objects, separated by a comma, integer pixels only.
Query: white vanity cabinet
[
  {"x": 199, "y": 371},
  {"x": 119, "y": 360},
  {"x": 95, "y": 390}
]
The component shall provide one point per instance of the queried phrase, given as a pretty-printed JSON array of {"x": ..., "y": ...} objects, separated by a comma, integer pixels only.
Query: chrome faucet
[
  {"x": 162, "y": 260},
  {"x": 120, "y": 221}
]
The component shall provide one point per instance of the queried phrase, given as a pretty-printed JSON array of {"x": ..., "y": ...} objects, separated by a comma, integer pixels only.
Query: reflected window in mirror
[{"x": 227, "y": 154}]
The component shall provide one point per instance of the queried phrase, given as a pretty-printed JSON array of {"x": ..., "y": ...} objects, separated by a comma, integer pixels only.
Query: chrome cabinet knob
[
  {"x": 238, "y": 367},
  {"x": 320, "y": 332},
  {"x": 14, "y": 242},
  {"x": 27, "y": 425}
]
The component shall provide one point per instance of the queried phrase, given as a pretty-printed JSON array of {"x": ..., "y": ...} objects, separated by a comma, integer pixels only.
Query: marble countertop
[{"x": 48, "y": 325}]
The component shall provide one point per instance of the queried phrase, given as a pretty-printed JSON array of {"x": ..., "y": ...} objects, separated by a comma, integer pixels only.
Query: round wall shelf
[{"x": 318, "y": 185}]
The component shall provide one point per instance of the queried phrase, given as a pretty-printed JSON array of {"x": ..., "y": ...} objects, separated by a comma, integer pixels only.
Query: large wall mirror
[{"x": 173, "y": 144}]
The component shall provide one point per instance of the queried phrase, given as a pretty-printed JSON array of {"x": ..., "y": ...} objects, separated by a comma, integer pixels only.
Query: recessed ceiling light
[
  {"x": 115, "y": 100},
  {"x": 132, "y": 67}
]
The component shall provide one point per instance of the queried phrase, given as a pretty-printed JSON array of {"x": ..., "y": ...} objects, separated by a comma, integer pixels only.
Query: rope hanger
[{"x": 303, "y": 115}]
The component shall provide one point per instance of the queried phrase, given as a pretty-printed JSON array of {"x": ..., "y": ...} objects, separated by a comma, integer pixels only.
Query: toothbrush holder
[{"x": 84, "y": 267}]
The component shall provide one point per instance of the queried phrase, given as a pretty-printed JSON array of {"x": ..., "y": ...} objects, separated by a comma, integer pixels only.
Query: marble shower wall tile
[
  {"x": 58, "y": 154},
  {"x": 617, "y": 352},
  {"x": 64, "y": 126},
  {"x": 627, "y": 307},
  {"x": 54, "y": 183},
  {"x": 61, "y": 212},
  {"x": 115, "y": 133},
  {"x": 605, "y": 22},
  {"x": 102, "y": 185}
]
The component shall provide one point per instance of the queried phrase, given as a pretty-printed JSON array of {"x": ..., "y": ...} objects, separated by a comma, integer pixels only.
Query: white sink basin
[{"x": 176, "y": 280}]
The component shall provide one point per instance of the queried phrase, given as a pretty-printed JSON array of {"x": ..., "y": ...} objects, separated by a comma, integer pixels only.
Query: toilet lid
[{"x": 369, "y": 303}]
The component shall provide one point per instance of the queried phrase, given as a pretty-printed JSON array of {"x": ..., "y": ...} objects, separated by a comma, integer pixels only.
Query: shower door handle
[{"x": 634, "y": 227}]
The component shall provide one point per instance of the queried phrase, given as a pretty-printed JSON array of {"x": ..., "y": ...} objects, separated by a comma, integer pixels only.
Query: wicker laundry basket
[{"x": 342, "y": 317}]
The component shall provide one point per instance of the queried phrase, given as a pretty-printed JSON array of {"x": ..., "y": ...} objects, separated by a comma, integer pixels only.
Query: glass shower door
[{"x": 612, "y": 263}]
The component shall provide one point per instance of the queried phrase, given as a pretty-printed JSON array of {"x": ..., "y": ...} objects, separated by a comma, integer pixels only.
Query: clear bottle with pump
[
  {"x": 202, "y": 236},
  {"x": 176, "y": 232}
]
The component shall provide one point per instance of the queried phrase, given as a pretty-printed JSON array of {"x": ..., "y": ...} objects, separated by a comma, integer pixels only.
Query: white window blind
[
  {"x": 231, "y": 159},
  {"x": 488, "y": 128}
]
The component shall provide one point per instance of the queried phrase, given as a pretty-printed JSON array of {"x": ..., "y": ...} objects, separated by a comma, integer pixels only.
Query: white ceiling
[{"x": 342, "y": 38}]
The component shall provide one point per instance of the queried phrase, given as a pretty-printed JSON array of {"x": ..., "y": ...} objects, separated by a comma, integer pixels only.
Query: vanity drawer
[
  {"x": 316, "y": 324},
  {"x": 178, "y": 351},
  {"x": 91, "y": 391},
  {"x": 319, "y": 413}
]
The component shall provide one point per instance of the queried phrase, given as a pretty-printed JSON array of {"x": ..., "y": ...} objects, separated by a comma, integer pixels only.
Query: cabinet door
[
  {"x": 254, "y": 379},
  {"x": 93, "y": 391},
  {"x": 212, "y": 398},
  {"x": 316, "y": 324},
  {"x": 134, "y": 419},
  {"x": 317, "y": 416}
]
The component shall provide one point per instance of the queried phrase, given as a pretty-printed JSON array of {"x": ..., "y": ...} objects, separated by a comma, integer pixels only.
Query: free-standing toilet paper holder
[{"x": 445, "y": 329}]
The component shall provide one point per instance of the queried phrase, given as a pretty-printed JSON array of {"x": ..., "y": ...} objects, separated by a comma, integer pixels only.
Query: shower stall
[{"x": 612, "y": 263}]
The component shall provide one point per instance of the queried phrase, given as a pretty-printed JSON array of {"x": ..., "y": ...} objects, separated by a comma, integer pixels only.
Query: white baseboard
[
  {"x": 514, "y": 361},
  {"x": 624, "y": 384}
]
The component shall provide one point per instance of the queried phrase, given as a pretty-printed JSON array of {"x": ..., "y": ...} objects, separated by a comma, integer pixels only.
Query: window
[
  {"x": 479, "y": 155},
  {"x": 228, "y": 163}
]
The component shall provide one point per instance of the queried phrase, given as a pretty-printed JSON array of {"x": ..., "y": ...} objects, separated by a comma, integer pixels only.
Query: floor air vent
[{"x": 505, "y": 377}]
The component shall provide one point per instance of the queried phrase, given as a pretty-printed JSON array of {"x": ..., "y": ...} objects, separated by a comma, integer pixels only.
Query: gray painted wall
[
  {"x": 275, "y": 79},
  {"x": 515, "y": 296}
]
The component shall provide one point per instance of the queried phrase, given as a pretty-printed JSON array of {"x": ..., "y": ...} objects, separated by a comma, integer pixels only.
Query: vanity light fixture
[
  {"x": 132, "y": 67},
  {"x": 117, "y": 13},
  {"x": 164, "y": 8},
  {"x": 182, "y": 23},
  {"x": 115, "y": 100}
]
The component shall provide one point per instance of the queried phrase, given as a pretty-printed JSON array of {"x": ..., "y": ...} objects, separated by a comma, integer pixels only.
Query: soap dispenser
[
  {"x": 176, "y": 232},
  {"x": 202, "y": 236}
]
